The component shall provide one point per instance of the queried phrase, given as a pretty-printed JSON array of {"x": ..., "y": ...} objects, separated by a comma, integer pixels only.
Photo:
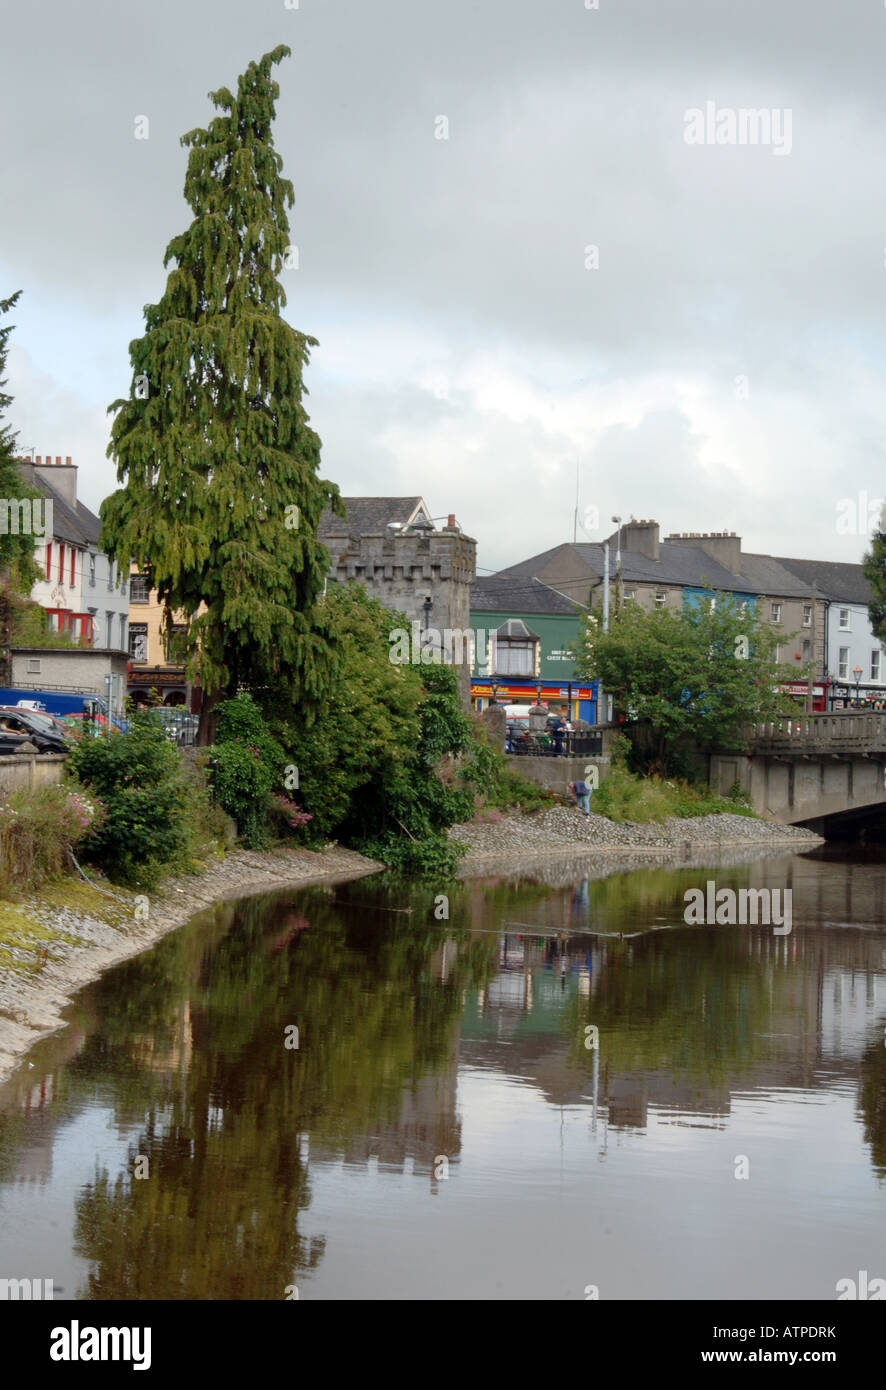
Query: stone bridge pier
[{"x": 809, "y": 768}]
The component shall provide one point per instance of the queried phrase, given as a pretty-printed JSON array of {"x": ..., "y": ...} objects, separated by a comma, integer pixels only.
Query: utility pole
[
  {"x": 601, "y": 704},
  {"x": 575, "y": 513},
  {"x": 810, "y": 694}
]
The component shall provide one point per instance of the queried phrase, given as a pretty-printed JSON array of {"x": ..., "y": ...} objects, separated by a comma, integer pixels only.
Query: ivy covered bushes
[
  {"x": 393, "y": 760},
  {"x": 250, "y": 774}
]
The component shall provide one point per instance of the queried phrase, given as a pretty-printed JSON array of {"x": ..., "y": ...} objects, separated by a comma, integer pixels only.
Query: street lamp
[
  {"x": 493, "y": 686},
  {"x": 857, "y": 674},
  {"x": 617, "y": 520}
]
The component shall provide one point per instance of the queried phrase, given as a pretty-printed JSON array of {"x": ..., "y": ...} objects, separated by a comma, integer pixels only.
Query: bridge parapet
[{"x": 846, "y": 731}]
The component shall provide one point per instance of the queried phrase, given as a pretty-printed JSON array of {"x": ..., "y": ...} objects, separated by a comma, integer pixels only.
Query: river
[{"x": 560, "y": 1091}]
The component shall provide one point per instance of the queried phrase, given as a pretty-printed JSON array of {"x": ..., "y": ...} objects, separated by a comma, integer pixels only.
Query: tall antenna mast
[{"x": 575, "y": 514}]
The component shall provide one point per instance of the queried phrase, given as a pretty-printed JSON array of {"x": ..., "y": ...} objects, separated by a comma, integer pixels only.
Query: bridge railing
[{"x": 835, "y": 732}]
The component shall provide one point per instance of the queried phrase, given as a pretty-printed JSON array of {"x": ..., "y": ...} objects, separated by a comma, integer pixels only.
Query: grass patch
[{"x": 624, "y": 796}]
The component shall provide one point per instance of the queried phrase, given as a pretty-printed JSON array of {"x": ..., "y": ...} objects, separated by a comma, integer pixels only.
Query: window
[
  {"x": 629, "y": 593},
  {"x": 92, "y": 571},
  {"x": 73, "y": 567},
  {"x": 875, "y": 665},
  {"x": 138, "y": 589},
  {"x": 712, "y": 605},
  {"x": 515, "y": 658},
  {"x": 138, "y": 641},
  {"x": 661, "y": 600},
  {"x": 807, "y": 649},
  {"x": 807, "y": 614},
  {"x": 93, "y": 626},
  {"x": 49, "y": 559},
  {"x": 61, "y": 564},
  {"x": 776, "y": 612},
  {"x": 110, "y": 574},
  {"x": 844, "y": 620},
  {"x": 175, "y": 646},
  {"x": 33, "y": 665},
  {"x": 843, "y": 664},
  {"x": 777, "y": 652},
  {"x": 122, "y": 632},
  {"x": 109, "y": 618}
]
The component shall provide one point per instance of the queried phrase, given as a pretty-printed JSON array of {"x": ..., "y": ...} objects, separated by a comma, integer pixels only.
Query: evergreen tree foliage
[
  {"x": 221, "y": 497},
  {"x": 875, "y": 573},
  {"x": 17, "y": 566}
]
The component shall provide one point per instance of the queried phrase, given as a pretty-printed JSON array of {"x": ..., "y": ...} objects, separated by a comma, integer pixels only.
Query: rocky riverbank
[
  {"x": 564, "y": 830},
  {"x": 70, "y": 933}
]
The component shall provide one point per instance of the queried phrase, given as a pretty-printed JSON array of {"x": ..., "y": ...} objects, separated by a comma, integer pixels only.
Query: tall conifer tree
[
  {"x": 875, "y": 573},
  {"x": 221, "y": 497},
  {"x": 17, "y": 564}
]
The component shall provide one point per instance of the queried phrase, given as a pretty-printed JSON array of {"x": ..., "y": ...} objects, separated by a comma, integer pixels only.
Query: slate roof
[
  {"x": 75, "y": 525},
  {"x": 684, "y": 565},
  {"x": 515, "y": 629},
  {"x": 499, "y": 593},
  {"x": 833, "y": 579},
  {"x": 369, "y": 516}
]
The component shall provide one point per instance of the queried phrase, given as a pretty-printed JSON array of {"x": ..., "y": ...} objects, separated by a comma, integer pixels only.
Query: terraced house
[
  {"x": 81, "y": 589},
  {"x": 819, "y": 609}
]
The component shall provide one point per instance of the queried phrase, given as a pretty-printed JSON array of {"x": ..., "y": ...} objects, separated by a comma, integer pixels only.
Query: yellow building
[{"x": 155, "y": 658}]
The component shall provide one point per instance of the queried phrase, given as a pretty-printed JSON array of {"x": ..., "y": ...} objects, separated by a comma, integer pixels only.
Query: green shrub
[
  {"x": 150, "y": 802},
  {"x": 38, "y": 829},
  {"x": 249, "y": 767}
]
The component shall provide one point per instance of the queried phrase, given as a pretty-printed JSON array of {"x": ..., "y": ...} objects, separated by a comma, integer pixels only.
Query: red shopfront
[{"x": 799, "y": 694}]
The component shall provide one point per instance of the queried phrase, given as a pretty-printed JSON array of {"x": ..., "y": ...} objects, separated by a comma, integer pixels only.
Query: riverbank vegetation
[{"x": 687, "y": 679}]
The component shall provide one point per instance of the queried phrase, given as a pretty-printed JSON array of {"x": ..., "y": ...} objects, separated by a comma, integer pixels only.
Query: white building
[
  {"x": 81, "y": 590},
  {"x": 856, "y": 659}
]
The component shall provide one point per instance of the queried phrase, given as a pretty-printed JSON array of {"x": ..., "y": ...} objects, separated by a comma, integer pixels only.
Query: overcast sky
[{"x": 722, "y": 368}]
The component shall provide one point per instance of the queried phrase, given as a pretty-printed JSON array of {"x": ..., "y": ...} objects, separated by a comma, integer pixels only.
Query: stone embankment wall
[{"x": 29, "y": 771}]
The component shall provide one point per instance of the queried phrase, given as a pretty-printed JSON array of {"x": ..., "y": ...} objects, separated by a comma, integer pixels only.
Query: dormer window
[{"x": 516, "y": 649}]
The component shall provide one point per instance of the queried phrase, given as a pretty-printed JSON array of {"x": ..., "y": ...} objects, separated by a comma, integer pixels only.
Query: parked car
[
  {"x": 179, "y": 724},
  {"x": 30, "y": 726},
  {"x": 41, "y": 718}
]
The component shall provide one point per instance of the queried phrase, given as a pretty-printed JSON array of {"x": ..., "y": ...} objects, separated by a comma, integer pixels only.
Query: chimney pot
[
  {"x": 58, "y": 460},
  {"x": 68, "y": 460},
  {"x": 450, "y": 520},
  {"x": 38, "y": 458}
]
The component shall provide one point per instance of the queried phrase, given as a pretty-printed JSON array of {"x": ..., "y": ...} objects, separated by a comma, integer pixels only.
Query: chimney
[
  {"x": 61, "y": 476},
  {"x": 722, "y": 546},
  {"x": 639, "y": 536},
  {"x": 450, "y": 520}
]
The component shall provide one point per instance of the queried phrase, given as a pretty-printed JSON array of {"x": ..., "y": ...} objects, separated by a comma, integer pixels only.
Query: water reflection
[{"x": 452, "y": 1060}]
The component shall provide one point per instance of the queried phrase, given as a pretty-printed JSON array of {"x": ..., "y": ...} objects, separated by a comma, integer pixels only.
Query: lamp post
[
  {"x": 493, "y": 686},
  {"x": 857, "y": 674},
  {"x": 617, "y": 520}
]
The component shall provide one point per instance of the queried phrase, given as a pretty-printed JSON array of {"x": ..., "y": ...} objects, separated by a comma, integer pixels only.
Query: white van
[{"x": 518, "y": 714}]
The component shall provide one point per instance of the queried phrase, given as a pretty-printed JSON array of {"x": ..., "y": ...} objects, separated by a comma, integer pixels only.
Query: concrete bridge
[{"x": 810, "y": 768}]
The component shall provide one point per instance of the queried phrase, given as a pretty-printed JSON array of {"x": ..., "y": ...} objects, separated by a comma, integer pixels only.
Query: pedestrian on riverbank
[{"x": 581, "y": 792}]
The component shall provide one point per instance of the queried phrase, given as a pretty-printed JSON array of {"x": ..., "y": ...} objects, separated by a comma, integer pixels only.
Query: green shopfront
[{"x": 531, "y": 660}]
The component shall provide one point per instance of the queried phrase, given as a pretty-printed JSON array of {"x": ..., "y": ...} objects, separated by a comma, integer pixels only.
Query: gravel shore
[
  {"x": 55, "y": 942},
  {"x": 564, "y": 829}
]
